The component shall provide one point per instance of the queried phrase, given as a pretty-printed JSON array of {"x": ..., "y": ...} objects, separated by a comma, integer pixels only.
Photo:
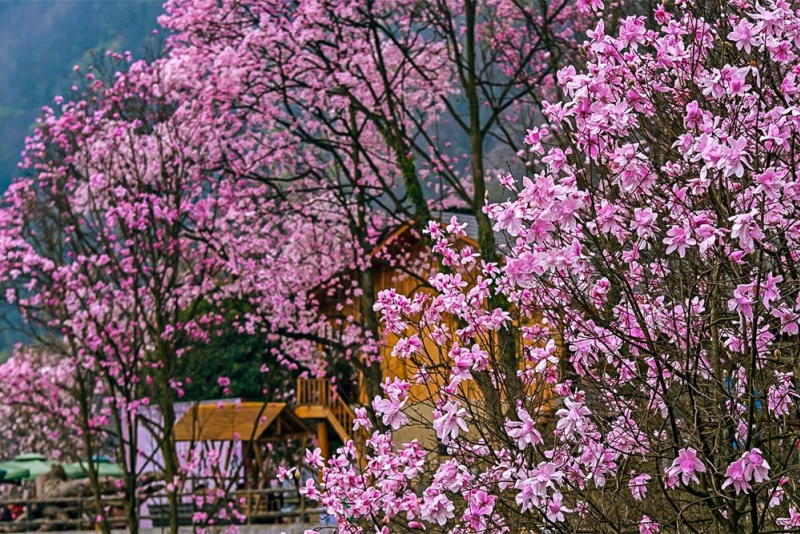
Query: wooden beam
[
  {"x": 259, "y": 464},
  {"x": 322, "y": 438},
  {"x": 311, "y": 412}
]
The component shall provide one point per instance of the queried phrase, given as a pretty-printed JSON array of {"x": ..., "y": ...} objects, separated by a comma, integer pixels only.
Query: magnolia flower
[
  {"x": 792, "y": 521},
  {"x": 679, "y": 238},
  {"x": 780, "y": 396},
  {"x": 437, "y": 507},
  {"x": 554, "y": 509},
  {"x": 572, "y": 419},
  {"x": 452, "y": 476},
  {"x": 735, "y": 475},
  {"x": 743, "y": 299},
  {"x": 778, "y": 494},
  {"x": 648, "y": 526},
  {"x": 481, "y": 505},
  {"x": 686, "y": 466},
  {"x": 746, "y": 35},
  {"x": 361, "y": 419},
  {"x": 638, "y": 485},
  {"x": 756, "y": 467},
  {"x": 407, "y": 346},
  {"x": 746, "y": 230},
  {"x": 524, "y": 430},
  {"x": 769, "y": 289},
  {"x": 448, "y": 421},
  {"x": 509, "y": 219},
  {"x": 315, "y": 458},
  {"x": 390, "y": 411}
]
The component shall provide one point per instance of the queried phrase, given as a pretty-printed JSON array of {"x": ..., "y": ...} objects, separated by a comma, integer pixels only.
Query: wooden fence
[{"x": 273, "y": 505}]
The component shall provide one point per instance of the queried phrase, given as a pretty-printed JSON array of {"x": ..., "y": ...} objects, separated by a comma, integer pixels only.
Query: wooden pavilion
[
  {"x": 249, "y": 427},
  {"x": 241, "y": 421}
]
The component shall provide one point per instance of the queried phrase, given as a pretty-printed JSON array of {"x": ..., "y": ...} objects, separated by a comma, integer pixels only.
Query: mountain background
[{"x": 40, "y": 42}]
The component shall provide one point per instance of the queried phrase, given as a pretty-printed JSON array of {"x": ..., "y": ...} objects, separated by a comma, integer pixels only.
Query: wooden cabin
[
  {"x": 407, "y": 275},
  {"x": 246, "y": 429},
  {"x": 402, "y": 261}
]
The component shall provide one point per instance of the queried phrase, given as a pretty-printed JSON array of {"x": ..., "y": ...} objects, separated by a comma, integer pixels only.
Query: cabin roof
[{"x": 245, "y": 421}]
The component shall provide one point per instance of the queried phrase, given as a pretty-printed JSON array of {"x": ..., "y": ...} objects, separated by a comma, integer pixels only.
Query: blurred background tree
[{"x": 40, "y": 42}]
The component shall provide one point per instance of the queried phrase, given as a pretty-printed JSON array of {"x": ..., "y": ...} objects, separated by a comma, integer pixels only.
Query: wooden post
[{"x": 322, "y": 438}]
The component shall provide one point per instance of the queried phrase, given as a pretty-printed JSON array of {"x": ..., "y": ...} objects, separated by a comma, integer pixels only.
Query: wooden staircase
[{"x": 317, "y": 399}]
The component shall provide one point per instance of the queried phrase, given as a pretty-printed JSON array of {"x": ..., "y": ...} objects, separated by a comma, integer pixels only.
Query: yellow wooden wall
[{"x": 435, "y": 357}]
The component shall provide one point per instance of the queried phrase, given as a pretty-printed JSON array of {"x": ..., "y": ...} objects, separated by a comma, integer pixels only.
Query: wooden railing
[
  {"x": 343, "y": 414},
  {"x": 314, "y": 392},
  {"x": 259, "y": 506},
  {"x": 320, "y": 392},
  {"x": 274, "y": 503},
  {"x": 70, "y": 513},
  {"x": 80, "y": 513}
]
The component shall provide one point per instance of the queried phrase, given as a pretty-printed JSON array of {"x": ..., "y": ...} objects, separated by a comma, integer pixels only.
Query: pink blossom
[
  {"x": 648, "y": 526},
  {"x": 524, "y": 430},
  {"x": 793, "y": 520},
  {"x": 448, "y": 420},
  {"x": 554, "y": 508},
  {"x": 778, "y": 494},
  {"x": 769, "y": 289},
  {"x": 735, "y": 475},
  {"x": 750, "y": 467},
  {"x": 742, "y": 301},
  {"x": 638, "y": 485},
  {"x": 437, "y": 507},
  {"x": 757, "y": 467},
  {"x": 781, "y": 395},
  {"x": 481, "y": 505},
  {"x": 572, "y": 419},
  {"x": 361, "y": 419},
  {"x": 679, "y": 238},
  {"x": 509, "y": 219},
  {"x": 744, "y": 35},
  {"x": 686, "y": 466}
]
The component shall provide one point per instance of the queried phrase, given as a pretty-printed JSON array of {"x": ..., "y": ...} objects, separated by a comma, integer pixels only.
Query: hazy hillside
[{"x": 40, "y": 41}]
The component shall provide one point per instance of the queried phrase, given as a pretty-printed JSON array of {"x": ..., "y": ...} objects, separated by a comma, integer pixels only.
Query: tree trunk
[
  {"x": 85, "y": 411},
  {"x": 372, "y": 372},
  {"x": 507, "y": 340}
]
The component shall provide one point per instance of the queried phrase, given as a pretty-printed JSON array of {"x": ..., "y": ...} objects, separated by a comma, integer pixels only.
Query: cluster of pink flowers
[
  {"x": 650, "y": 276},
  {"x": 633, "y": 348},
  {"x": 38, "y": 411}
]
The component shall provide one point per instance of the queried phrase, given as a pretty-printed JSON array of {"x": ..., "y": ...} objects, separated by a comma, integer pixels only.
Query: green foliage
[{"x": 237, "y": 357}]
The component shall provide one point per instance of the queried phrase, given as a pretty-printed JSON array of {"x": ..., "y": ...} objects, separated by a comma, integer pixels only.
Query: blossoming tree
[
  {"x": 652, "y": 280},
  {"x": 37, "y": 390},
  {"x": 123, "y": 250},
  {"x": 388, "y": 108}
]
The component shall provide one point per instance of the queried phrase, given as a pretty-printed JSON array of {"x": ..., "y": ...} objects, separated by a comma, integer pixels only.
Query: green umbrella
[
  {"x": 74, "y": 470},
  {"x": 29, "y": 457},
  {"x": 103, "y": 466},
  {"x": 11, "y": 473},
  {"x": 15, "y": 471},
  {"x": 36, "y": 464}
]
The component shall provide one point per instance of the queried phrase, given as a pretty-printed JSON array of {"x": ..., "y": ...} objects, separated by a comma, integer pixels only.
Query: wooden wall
[{"x": 436, "y": 358}]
